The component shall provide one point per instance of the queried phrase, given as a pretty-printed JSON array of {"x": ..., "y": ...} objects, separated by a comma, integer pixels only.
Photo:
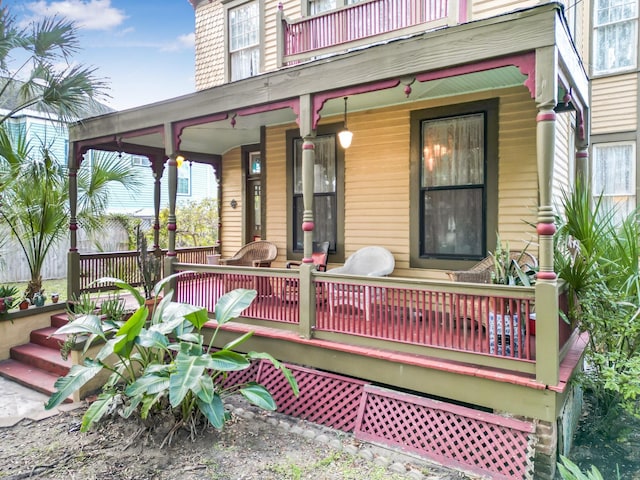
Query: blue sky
[{"x": 143, "y": 49}]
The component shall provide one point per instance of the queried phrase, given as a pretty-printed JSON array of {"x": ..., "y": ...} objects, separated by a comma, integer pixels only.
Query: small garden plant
[{"x": 162, "y": 362}]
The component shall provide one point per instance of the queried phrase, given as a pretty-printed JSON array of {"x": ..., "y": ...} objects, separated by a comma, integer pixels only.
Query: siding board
[{"x": 621, "y": 115}]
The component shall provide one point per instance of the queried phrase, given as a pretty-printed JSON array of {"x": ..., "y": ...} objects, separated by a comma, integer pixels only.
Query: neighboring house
[
  {"x": 612, "y": 48},
  {"x": 468, "y": 119}
]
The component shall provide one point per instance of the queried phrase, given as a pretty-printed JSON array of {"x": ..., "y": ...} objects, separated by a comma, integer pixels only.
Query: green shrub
[{"x": 163, "y": 362}]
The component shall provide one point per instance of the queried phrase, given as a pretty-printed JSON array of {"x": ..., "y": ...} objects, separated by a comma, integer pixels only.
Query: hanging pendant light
[{"x": 345, "y": 135}]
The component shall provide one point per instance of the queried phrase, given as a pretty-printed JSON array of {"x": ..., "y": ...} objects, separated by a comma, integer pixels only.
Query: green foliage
[
  {"x": 570, "y": 471},
  {"x": 507, "y": 270},
  {"x": 598, "y": 259},
  {"x": 148, "y": 264},
  {"x": 164, "y": 363},
  {"x": 43, "y": 53},
  {"x": 197, "y": 223},
  {"x": 9, "y": 298}
]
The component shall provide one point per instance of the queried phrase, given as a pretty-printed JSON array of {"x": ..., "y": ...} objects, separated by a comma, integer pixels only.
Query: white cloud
[
  {"x": 91, "y": 14},
  {"x": 183, "y": 42}
]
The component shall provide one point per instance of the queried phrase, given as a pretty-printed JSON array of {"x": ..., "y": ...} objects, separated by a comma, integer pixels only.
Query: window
[
  {"x": 614, "y": 175},
  {"x": 615, "y": 35},
  {"x": 325, "y": 201},
  {"x": 184, "y": 180},
  {"x": 454, "y": 184},
  {"x": 140, "y": 161},
  {"x": 319, "y": 6},
  {"x": 244, "y": 40}
]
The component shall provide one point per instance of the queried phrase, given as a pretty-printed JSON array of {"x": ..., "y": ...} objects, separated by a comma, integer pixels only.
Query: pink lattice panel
[
  {"x": 325, "y": 399},
  {"x": 242, "y": 376},
  {"x": 449, "y": 434}
]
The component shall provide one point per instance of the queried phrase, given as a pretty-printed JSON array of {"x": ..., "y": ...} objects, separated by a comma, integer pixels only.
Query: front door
[{"x": 254, "y": 197}]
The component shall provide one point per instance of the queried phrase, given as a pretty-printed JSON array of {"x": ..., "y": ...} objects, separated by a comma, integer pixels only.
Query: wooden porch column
[
  {"x": 307, "y": 301},
  {"x": 73, "y": 256},
  {"x": 547, "y": 336},
  {"x": 172, "y": 167},
  {"x": 582, "y": 162},
  {"x": 157, "y": 167}
]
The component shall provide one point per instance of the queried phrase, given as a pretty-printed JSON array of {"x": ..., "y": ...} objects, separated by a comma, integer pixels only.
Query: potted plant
[
  {"x": 148, "y": 265},
  {"x": 513, "y": 268},
  {"x": 8, "y": 298}
]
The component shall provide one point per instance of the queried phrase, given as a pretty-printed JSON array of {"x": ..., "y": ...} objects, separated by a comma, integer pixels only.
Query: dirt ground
[{"x": 253, "y": 445}]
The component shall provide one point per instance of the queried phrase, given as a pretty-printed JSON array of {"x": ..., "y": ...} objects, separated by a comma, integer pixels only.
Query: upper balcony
[{"x": 361, "y": 24}]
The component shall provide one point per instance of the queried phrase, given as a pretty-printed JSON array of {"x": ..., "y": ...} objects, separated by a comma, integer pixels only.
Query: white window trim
[
  {"x": 612, "y": 71},
  {"x": 230, "y": 5},
  {"x": 632, "y": 192}
]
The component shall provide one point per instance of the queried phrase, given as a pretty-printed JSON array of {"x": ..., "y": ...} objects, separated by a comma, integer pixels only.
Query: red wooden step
[
  {"x": 48, "y": 359},
  {"x": 46, "y": 337},
  {"x": 59, "y": 319},
  {"x": 29, "y": 376}
]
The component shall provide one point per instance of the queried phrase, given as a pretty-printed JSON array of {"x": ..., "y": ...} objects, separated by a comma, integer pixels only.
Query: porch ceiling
[{"x": 221, "y": 136}]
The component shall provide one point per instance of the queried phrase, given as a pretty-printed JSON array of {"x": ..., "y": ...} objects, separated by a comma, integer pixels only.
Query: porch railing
[
  {"x": 124, "y": 265},
  {"x": 486, "y": 321},
  {"x": 358, "y": 24}
]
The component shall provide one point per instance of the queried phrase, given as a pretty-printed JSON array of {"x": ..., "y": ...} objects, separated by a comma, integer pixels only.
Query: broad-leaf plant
[{"x": 162, "y": 362}]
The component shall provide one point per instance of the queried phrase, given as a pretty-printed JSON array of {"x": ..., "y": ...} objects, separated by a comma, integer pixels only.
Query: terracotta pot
[{"x": 24, "y": 304}]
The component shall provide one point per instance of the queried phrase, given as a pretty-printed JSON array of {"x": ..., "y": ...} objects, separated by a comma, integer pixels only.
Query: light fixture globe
[{"x": 344, "y": 137}]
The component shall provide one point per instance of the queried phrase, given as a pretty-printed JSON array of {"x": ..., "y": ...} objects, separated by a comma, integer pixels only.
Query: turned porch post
[
  {"x": 157, "y": 168},
  {"x": 547, "y": 338},
  {"x": 307, "y": 300},
  {"x": 172, "y": 167},
  {"x": 73, "y": 256}
]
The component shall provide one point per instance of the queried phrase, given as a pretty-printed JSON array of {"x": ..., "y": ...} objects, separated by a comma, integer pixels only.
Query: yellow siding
[
  {"x": 209, "y": 45},
  {"x": 231, "y": 232},
  {"x": 377, "y": 182},
  {"x": 614, "y": 104},
  {"x": 291, "y": 9},
  {"x": 276, "y": 190},
  {"x": 517, "y": 169},
  {"x": 490, "y": 8},
  {"x": 564, "y": 164}
]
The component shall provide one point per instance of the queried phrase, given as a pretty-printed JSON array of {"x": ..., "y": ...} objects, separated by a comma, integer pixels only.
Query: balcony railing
[{"x": 362, "y": 23}]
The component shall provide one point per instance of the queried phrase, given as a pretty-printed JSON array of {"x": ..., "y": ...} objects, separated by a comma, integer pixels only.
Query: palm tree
[
  {"x": 34, "y": 198},
  {"x": 38, "y": 81},
  {"x": 34, "y": 202}
]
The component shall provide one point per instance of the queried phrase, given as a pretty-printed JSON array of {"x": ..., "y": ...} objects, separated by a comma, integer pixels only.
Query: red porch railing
[
  {"x": 357, "y": 24},
  {"x": 476, "y": 319}
]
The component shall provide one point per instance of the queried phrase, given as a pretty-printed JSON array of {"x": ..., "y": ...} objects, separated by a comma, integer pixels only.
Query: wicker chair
[
  {"x": 255, "y": 254},
  {"x": 481, "y": 272}
]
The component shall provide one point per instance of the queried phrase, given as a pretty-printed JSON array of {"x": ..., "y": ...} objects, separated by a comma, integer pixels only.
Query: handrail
[{"x": 357, "y": 24}]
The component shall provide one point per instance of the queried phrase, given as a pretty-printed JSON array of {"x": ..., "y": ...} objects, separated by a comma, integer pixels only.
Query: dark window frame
[{"x": 490, "y": 109}]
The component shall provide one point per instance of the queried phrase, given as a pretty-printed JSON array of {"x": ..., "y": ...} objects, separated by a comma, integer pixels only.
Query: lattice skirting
[{"x": 449, "y": 434}]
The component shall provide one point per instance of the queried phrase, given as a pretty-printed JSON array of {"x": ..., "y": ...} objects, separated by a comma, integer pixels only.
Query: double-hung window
[
  {"x": 244, "y": 40},
  {"x": 614, "y": 175},
  {"x": 615, "y": 35},
  {"x": 184, "y": 180},
  {"x": 325, "y": 192},
  {"x": 454, "y": 184}
]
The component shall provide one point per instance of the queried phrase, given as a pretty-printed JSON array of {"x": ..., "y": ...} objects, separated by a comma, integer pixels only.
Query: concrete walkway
[{"x": 18, "y": 402}]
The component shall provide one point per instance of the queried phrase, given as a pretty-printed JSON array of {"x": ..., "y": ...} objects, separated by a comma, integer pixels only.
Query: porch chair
[
  {"x": 319, "y": 256},
  {"x": 289, "y": 289},
  {"x": 255, "y": 254},
  {"x": 368, "y": 261}
]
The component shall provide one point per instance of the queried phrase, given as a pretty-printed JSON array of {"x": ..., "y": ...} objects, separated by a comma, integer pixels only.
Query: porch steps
[{"x": 38, "y": 364}]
